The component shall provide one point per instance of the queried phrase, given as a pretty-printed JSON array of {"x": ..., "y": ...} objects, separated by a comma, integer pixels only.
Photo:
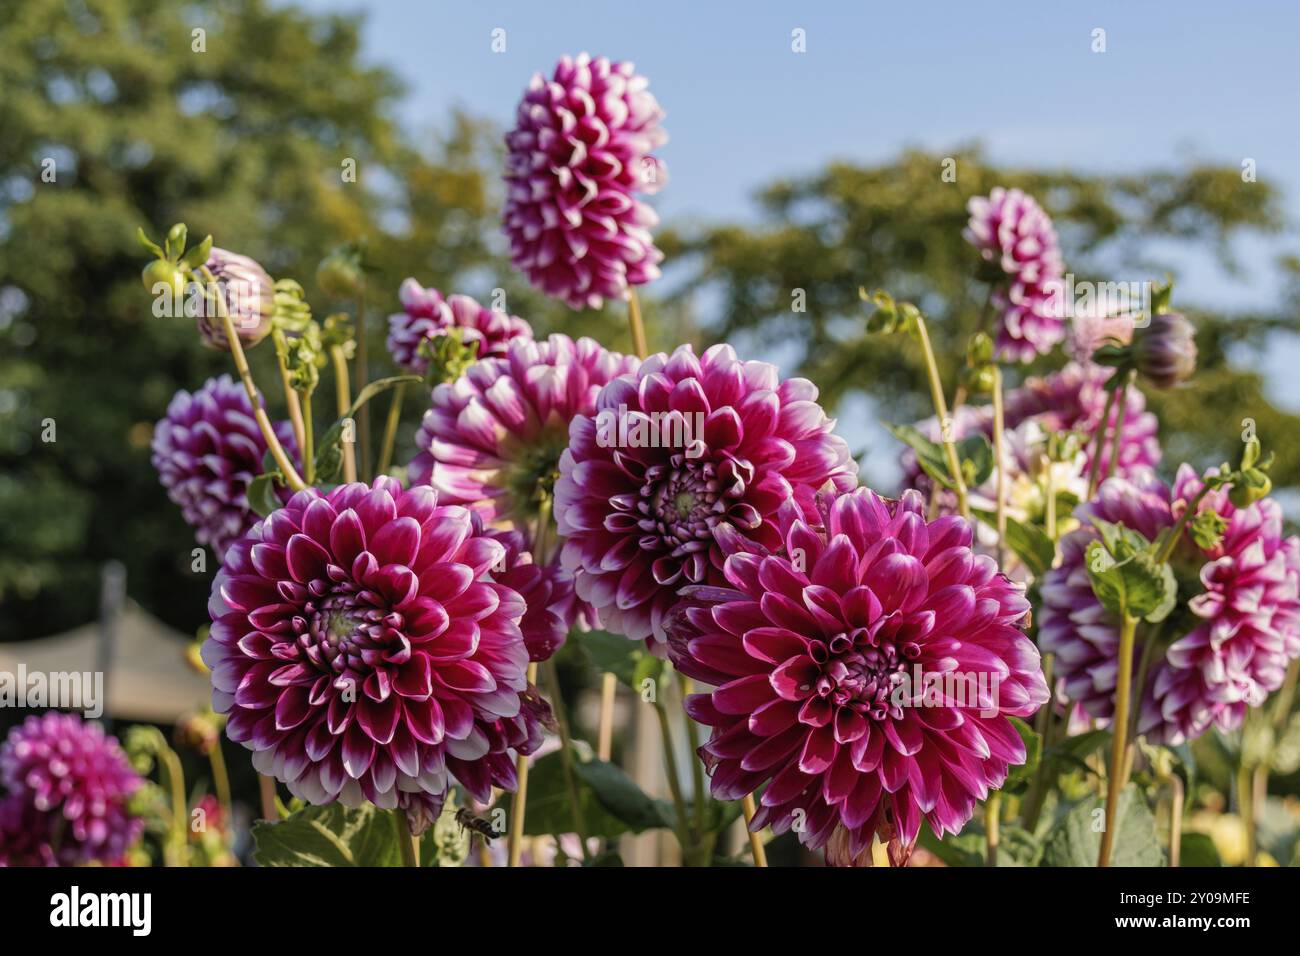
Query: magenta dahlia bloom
[
  {"x": 1074, "y": 399},
  {"x": 492, "y": 440},
  {"x": 249, "y": 296},
  {"x": 547, "y": 589},
  {"x": 578, "y": 155},
  {"x": 819, "y": 654},
  {"x": 69, "y": 785},
  {"x": 207, "y": 451},
  {"x": 428, "y": 315},
  {"x": 1010, "y": 229},
  {"x": 675, "y": 449},
  {"x": 1225, "y": 647},
  {"x": 362, "y": 650}
]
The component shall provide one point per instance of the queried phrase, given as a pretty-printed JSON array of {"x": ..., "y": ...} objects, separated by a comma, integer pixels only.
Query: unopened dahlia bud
[
  {"x": 248, "y": 294},
  {"x": 1164, "y": 353}
]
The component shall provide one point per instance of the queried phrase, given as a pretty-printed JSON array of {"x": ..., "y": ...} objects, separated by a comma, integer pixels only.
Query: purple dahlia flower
[
  {"x": 579, "y": 153},
  {"x": 428, "y": 315},
  {"x": 1225, "y": 647},
  {"x": 1010, "y": 229},
  {"x": 673, "y": 450},
  {"x": 1074, "y": 399},
  {"x": 492, "y": 440},
  {"x": 547, "y": 590},
  {"x": 1164, "y": 352},
  {"x": 207, "y": 451},
  {"x": 363, "y": 651},
  {"x": 818, "y": 655},
  {"x": 249, "y": 296},
  {"x": 69, "y": 784}
]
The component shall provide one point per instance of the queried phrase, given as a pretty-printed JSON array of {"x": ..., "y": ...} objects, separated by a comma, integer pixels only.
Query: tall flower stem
[
  {"x": 1246, "y": 809},
  {"x": 343, "y": 401},
  {"x": 514, "y": 842},
  {"x": 1119, "y": 752},
  {"x": 566, "y": 753},
  {"x": 1099, "y": 444},
  {"x": 308, "y": 441},
  {"x": 363, "y": 376},
  {"x": 266, "y": 790},
  {"x": 291, "y": 400},
  {"x": 1175, "y": 819},
  {"x": 999, "y": 458},
  {"x": 407, "y": 845},
  {"x": 390, "y": 430},
  {"x": 1033, "y": 803},
  {"x": 674, "y": 779},
  {"x": 173, "y": 779},
  {"x": 697, "y": 768},
  {"x": 941, "y": 410},
  {"x": 992, "y": 826},
  {"x": 635, "y": 324},
  {"x": 1122, "y": 398},
  {"x": 220, "y": 778},
  {"x": 291, "y": 476},
  {"x": 756, "y": 847}
]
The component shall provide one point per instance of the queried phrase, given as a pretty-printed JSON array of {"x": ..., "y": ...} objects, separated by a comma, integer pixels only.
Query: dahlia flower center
[
  {"x": 861, "y": 675},
  {"x": 535, "y": 469},
  {"x": 344, "y": 633},
  {"x": 684, "y": 500}
]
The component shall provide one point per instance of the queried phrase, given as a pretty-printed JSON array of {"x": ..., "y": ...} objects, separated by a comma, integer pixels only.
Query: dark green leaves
[
  {"x": 332, "y": 835},
  {"x": 329, "y": 454},
  {"x": 628, "y": 661},
  {"x": 1125, "y": 576},
  {"x": 1026, "y": 540},
  {"x": 975, "y": 453}
]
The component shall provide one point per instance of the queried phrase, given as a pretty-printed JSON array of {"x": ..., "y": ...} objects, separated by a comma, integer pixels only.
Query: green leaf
[
  {"x": 1029, "y": 542},
  {"x": 329, "y": 455},
  {"x": 1076, "y": 750},
  {"x": 549, "y": 809},
  {"x": 976, "y": 456},
  {"x": 1022, "y": 773},
  {"x": 332, "y": 835},
  {"x": 1286, "y": 753},
  {"x": 929, "y": 455},
  {"x": 1076, "y": 839},
  {"x": 1198, "y": 849},
  {"x": 149, "y": 243},
  {"x": 618, "y": 794},
  {"x": 1133, "y": 585},
  {"x": 262, "y": 497}
]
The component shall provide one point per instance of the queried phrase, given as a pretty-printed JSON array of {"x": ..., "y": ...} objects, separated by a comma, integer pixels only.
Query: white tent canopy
[{"x": 148, "y": 679}]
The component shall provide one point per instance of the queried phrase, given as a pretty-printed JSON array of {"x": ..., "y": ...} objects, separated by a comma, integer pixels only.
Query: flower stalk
[
  {"x": 1118, "y": 776},
  {"x": 941, "y": 410}
]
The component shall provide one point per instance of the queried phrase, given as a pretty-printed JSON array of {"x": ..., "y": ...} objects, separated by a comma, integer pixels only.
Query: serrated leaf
[
  {"x": 1135, "y": 585},
  {"x": 332, "y": 835},
  {"x": 1075, "y": 842},
  {"x": 549, "y": 810},
  {"x": 1033, "y": 742}
]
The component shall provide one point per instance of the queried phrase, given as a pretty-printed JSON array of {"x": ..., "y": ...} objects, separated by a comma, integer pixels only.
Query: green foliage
[
  {"x": 332, "y": 835},
  {"x": 1076, "y": 839}
]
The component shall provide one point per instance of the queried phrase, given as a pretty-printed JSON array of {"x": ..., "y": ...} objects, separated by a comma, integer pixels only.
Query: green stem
[
  {"x": 697, "y": 766},
  {"x": 291, "y": 476},
  {"x": 1246, "y": 807},
  {"x": 566, "y": 753},
  {"x": 221, "y": 780},
  {"x": 363, "y": 376},
  {"x": 343, "y": 402},
  {"x": 992, "y": 822},
  {"x": 1099, "y": 443},
  {"x": 308, "y": 437},
  {"x": 1122, "y": 398},
  {"x": 1119, "y": 751},
  {"x": 941, "y": 410},
  {"x": 407, "y": 845},
  {"x": 1032, "y": 808},
  {"x": 674, "y": 780},
  {"x": 1167, "y": 549},
  {"x": 390, "y": 430},
  {"x": 1000, "y": 464},
  {"x": 169, "y": 767}
]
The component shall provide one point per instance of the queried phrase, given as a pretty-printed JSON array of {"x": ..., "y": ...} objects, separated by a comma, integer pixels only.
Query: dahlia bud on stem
[{"x": 291, "y": 476}]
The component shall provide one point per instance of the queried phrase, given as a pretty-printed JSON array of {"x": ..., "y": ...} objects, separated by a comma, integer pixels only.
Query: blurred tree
[
  {"x": 898, "y": 226},
  {"x": 236, "y": 117}
]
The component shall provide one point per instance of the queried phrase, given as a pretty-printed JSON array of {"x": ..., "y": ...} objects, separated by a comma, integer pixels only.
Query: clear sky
[{"x": 1178, "y": 81}]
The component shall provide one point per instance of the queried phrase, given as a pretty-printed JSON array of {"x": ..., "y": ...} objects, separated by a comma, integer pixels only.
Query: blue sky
[{"x": 1177, "y": 82}]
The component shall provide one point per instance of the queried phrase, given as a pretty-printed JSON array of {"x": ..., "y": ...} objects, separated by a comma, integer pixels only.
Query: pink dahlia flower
[
  {"x": 819, "y": 655},
  {"x": 547, "y": 590},
  {"x": 1225, "y": 647},
  {"x": 578, "y": 155},
  {"x": 1010, "y": 229},
  {"x": 69, "y": 785},
  {"x": 428, "y": 315},
  {"x": 207, "y": 451},
  {"x": 492, "y": 440},
  {"x": 363, "y": 651},
  {"x": 673, "y": 450},
  {"x": 1074, "y": 399}
]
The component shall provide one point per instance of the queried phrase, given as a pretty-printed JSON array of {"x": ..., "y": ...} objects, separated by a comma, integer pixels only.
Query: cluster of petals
[
  {"x": 814, "y": 651},
  {"x": 426, "y": 315},
  {"x": 580, "y": 152},
  {"x": 362, "y": 649},
  {"x": 671, "y": 452},
  {"x": 1225, "y": 647}
]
